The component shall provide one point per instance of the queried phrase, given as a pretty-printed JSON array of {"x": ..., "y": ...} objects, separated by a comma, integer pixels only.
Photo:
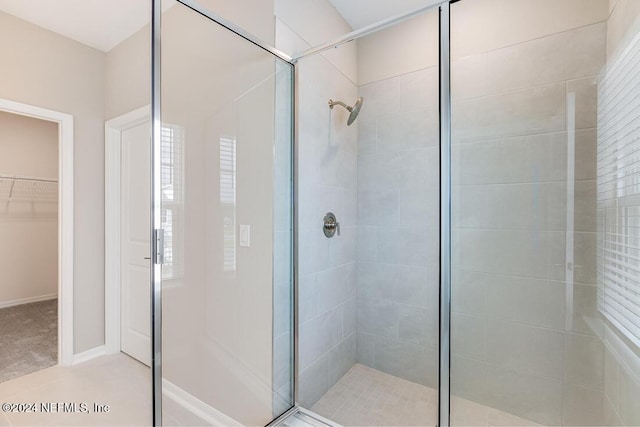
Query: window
[
  {"x": 171, "y": 179},
  {"x": 228, "y": 200},
  {"x": 619, "y": 193}
]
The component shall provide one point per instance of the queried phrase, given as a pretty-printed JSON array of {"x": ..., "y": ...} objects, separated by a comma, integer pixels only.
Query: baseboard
[
  {"x": 196, "y": 406},
  {"x": 21, "y": 301},
  {"x": 85, "y": 356}
]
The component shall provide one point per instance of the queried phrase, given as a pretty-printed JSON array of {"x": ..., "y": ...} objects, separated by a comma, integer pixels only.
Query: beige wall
[
  {"x": 54, "y": 72},
  {"x": 127, "y": 75},
  {"x": 316, "y": 22},
  {"x": 128, "y": 63},
  {"x": 29, "y": 146},
  {"x": 28, "y": 225},
  {"x": 47, "y": 70}
]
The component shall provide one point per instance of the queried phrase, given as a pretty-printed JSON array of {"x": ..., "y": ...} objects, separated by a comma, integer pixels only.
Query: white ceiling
[
  {"x": 360, "y": 13},
  {"x": 101, "y": 24}
]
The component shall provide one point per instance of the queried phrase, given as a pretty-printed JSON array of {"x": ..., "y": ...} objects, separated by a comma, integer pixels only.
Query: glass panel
[
  {"x": 369, "y": 295},
  {"x": 545, "y": 120},
  {"x": 226, "y": 210}
]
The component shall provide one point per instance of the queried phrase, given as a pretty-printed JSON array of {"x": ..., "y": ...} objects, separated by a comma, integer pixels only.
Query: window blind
[
  {"x": 171, "y": 178},
  {"x": 228, "y": 199},
  {"x": 618, "y": 184}
]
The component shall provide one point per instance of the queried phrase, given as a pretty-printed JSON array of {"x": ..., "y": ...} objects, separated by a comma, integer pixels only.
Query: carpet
[{"x": 28, "y": 338}]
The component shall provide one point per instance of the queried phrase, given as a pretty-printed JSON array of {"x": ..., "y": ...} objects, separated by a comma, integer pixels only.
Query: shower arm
[{"x": 333, "y": 103}]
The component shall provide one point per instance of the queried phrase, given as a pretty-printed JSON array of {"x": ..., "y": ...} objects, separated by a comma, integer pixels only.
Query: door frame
[
  {"x": 112, "y": 208},
  {"x": 65, "y": 219}
]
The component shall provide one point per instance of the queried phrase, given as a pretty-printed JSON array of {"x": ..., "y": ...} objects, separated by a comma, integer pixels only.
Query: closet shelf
[{"x": 28, "y": 188}]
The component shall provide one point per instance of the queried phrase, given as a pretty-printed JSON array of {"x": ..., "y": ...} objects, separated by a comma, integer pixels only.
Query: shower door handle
[{"x": 330, "y": 225}]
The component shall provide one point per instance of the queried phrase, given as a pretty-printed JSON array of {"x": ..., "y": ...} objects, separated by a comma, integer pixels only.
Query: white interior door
[{"x": 135, "y": 322}]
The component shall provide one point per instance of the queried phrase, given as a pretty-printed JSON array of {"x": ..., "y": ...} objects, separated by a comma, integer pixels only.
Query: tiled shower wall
[
  {"x": 398, "y": 226},
  {"x": 525, "y": 337},
  {"x": 327, "y": 183},
  {"x": 327, "y": 267},
  {"x": 518, "y": 344}
]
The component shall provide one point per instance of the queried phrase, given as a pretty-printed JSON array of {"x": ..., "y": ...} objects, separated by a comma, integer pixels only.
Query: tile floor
[
  {"x": 116, "y": 380},
  {"x": 367, "y": 397},
  {"x": 363, "y": 397}
]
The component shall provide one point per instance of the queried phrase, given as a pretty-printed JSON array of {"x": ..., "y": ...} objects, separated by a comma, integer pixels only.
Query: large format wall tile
[
  {"x": 341, "y": 358},
  {"x": 408, "y": 246},
  {"x": 406, "y": 360},
  {"x": 584, "y": 360},
  {"x": 469, "y": 336},
  {"x": 378, "y": 317},
  {"x": 378, "y": 207},
  {"x": 583, "y": 406},
  {"x": 398, "y": 214},
  {"x": 525, "y": 159},
  {"x": 525, "y": 349},
  {"x": 539, "y": 109},
  {"x": 314, "y": 381},
  {"x": 528, "y": 253},
  {"x": 327, "y": 159},
  {"x": 564, "y": 56},
  {"x": 519, "y": 201},
  {"x": 527, "y": 300},
  {"x": 468, "y": 296},
  {"x": 336, "y": 286},
  {"x": 319, "y": 335},
  {"x": 529, "y": 396},
  {"x": 396, "y": 283}
]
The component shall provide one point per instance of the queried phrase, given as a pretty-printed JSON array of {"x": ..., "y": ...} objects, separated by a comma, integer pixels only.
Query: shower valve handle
[{"x": 330, "y": 225}]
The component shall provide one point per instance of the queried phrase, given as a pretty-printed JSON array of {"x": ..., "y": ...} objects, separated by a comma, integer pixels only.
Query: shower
[{"x": 354, "y": 111}]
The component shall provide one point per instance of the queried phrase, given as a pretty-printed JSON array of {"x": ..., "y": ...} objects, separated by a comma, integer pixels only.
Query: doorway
[
  {"x": 36, "y": 220},
  {"x": 127, "y": 296}
]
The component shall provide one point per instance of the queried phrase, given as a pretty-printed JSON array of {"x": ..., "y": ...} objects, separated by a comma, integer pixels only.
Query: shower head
[{"x": 354, "y": 111}]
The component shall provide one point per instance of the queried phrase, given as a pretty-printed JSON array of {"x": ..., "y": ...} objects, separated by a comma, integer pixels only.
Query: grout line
[
  {"x": 457, "y": 101},
  {"x": 580, "y": 27},
  {"x": 435, "y": 67},
  {"x": 486, "y": 317},
  {"x": 527, "y": 135},
  {"x": 521, "y": 277},
  {"x": 537, "y": 230}
]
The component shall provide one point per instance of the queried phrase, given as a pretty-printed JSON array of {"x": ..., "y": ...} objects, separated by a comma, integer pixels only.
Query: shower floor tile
[{"x": 367, "y": 397}]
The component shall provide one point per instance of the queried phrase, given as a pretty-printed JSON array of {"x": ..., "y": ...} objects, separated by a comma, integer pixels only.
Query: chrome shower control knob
[{"x": 331, "y": 225}]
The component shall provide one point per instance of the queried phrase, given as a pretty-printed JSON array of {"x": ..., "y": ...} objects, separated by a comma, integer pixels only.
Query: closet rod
[{"x": 24, "y": 178}]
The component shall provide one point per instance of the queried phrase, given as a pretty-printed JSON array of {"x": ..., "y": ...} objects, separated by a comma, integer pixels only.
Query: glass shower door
[
  {"x": 544, "y": 125},
  {"x": 226, "y": 215}
]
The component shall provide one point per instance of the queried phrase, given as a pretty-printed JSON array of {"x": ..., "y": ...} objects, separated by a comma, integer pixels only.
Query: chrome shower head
[{"x": 353, "y": 111}]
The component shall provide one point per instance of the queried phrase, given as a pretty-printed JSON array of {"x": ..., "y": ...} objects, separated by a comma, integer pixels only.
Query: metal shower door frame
[
  {"x": 444, "y": 365},
  {"x": 156, "y": 193}
]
